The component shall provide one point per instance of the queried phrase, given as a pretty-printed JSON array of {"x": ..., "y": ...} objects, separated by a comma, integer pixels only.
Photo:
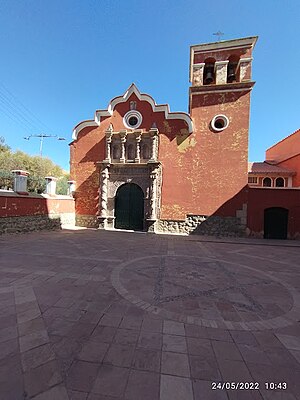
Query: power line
[
  {"x": 12, "y": 110},
  {"x": 17, "y": 111},
  {"x": 24, "y": 107},
  {"x": 14, "y": 100},
  {"x": 13, "y": 117}
]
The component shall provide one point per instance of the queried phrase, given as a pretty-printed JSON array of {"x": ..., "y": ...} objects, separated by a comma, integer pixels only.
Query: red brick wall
[
  {"x": 257, "y": 200},
  {"x": 261, "y": 198},
  {"x": 222, "y": 55},
  {"x": 208, "y": 168},
  {"x": 285, "y": 148},
  {"x": 13, "y": 205},
  {"x": 293, "y": 164},
  {"x": 287, "y": 154}
]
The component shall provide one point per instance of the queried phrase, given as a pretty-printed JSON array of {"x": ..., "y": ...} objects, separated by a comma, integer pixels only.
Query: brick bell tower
[{"x": 219, "y": 104}]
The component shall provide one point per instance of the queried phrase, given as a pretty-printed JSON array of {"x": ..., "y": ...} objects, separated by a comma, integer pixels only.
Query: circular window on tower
[
  {"x": 219, "y": 123},
  {"x": 132, "y": 119}
]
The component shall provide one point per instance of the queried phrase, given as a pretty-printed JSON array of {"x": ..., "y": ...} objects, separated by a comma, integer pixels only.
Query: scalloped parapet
[{"x": 122, "y": 99}]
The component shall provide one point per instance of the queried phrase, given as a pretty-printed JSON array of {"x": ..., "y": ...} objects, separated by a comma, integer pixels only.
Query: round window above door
[{"x": 132, "y": 119}]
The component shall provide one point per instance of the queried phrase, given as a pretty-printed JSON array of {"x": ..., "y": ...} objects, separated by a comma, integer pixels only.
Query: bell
[
  {"x": 209, "y": 76},
  {"x": 231, "y": 74}
]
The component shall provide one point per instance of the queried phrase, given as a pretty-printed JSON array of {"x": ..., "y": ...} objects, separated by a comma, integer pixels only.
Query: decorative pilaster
[
  {"x": 221, "y": 72},
  {"x": 104, "y": 191},
  {"x": 198, "y": 70},
  {"x": 108, "y": 135},
  {"x": 123, "y": 135},
  {"x": 154, "y": 146},
  {"x": 138, "y": 137},
  {"x": 153, "y": 193},
  {"x": 245, "y": 69}
]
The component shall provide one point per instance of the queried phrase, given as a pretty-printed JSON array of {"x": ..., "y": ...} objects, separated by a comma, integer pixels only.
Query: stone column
[
  {"x": 138, "y": 137},
  {"x": 20, "y": 180},
  {"x": 71, "y": 188},
  {"x": 153, "y": 190},
  {"x": 50, "y": 185},
  {"x": 154, "y": 148},
  {"x": 244, "y": 66},
  {"x": 123, "y": 135},
  {"x": 221, "y": 72},
  {"x": 108, "y": 135},
  {"x": 197, "y": 79},
  {"x": 104, "y": 189}
]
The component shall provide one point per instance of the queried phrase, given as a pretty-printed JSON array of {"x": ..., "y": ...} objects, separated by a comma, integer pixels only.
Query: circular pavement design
[{"x": 207, "y": 291}]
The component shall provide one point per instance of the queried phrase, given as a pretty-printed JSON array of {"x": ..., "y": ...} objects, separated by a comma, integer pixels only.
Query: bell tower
[{"x": 219, "y": 104}]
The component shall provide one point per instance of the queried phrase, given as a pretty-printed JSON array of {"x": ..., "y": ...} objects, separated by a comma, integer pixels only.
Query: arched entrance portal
[
  {"x": 275, "y": 223},
  {"x": 129, "y": 207}
]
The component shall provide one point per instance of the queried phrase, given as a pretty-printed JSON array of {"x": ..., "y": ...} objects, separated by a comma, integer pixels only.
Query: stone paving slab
[{"x": 92, "y": 315}]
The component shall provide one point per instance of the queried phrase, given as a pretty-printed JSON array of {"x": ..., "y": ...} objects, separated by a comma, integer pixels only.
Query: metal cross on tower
[{"x": 219, "y": 34}]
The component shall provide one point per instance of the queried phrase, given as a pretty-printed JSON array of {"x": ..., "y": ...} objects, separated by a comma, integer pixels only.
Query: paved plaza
[{"x": 100, "y": 315}]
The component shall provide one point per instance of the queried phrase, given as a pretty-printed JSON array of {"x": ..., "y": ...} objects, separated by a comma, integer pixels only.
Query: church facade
[{"x": 139, "y": 166}]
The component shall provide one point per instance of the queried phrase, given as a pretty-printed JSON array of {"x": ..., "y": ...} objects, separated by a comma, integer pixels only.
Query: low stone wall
[
  {"x": 29, "y": 223},
  {"x": 31, "y": 211},
  {"x": 203, "y": 225},
  {"x": 88, "y": 221}
]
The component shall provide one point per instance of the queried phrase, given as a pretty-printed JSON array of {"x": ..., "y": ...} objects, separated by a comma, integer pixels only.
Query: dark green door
[
  {"x": 129, "y": 207},
  {"x": 275, "y": 223}
]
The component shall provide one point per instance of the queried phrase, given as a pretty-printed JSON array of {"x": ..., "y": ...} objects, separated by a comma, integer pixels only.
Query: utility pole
[{"x": 42, "y": 136}]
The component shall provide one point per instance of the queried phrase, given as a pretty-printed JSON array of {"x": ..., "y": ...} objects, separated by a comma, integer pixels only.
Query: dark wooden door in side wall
[
  {"x": 129, "y": 207},
  {"x": 276, "y": 223}
]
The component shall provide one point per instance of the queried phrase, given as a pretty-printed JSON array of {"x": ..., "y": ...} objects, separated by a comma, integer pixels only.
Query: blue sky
[{"x": 64, "y": 59}]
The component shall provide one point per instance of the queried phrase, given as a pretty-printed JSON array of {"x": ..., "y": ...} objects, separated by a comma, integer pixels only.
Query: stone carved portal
[
  {"x": 146, "y": 176},
  {"x": 126, "y": 163}
]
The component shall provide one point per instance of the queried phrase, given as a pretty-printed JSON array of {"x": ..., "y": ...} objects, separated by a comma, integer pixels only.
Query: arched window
[
  {"x": 116, "y": 152},
  {"x": 130, "y": 152},
  {"x": 209, "y": 71},
  {"x": 267, "y": 182},
  {"x": 279, "y": 182}
]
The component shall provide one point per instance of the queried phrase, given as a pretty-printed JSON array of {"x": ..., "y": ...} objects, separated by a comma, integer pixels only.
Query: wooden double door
[{"x": 129, "y": 207}]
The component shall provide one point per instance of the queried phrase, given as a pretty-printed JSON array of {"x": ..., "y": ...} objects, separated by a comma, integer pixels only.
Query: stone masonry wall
[
  {"x": 88, "y": 221},
  {"x": 202, "y": 225},
  {"x": 29, "y": 223}
]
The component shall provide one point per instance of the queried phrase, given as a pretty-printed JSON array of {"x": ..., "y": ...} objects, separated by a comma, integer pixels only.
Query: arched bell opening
[
  {"x": 232, "y": 69},
  {"x": 209, "y": 76}
]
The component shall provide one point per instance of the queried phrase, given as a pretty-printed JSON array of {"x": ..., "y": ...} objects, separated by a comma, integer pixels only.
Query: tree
[
  {"x": 37, "y": 167},
  {"x": 3, "y": 146},
  {"x": 62, "y": 184}
]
